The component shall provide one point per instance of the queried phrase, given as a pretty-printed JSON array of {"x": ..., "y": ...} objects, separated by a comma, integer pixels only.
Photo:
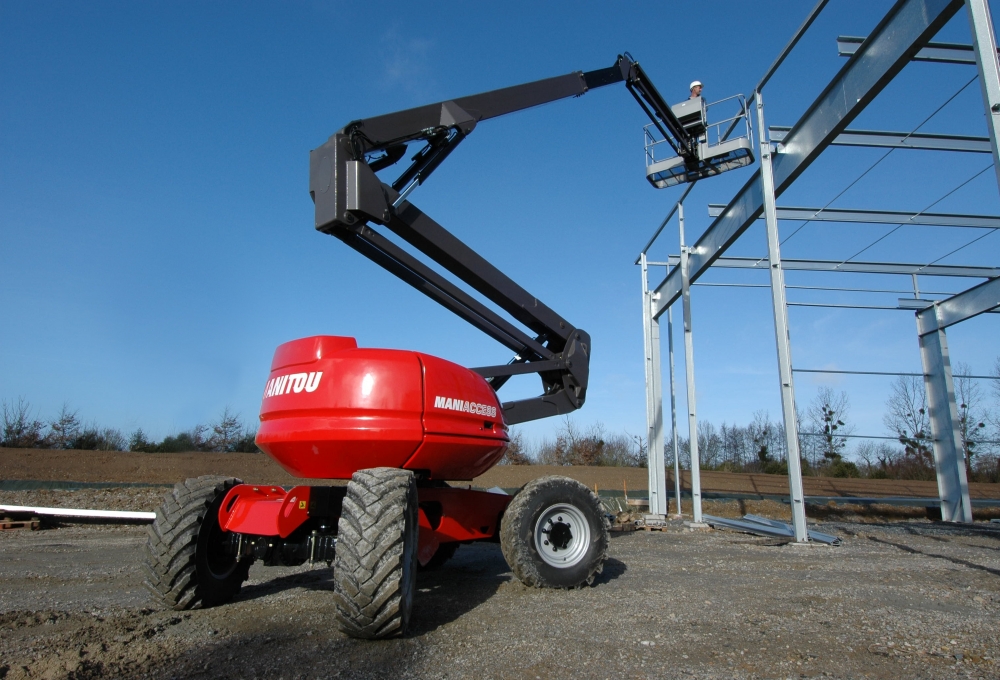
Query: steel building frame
[{"x": 903, "y": 35}]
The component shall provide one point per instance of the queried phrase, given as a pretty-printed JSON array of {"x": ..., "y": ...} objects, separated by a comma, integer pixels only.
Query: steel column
[
  {"x": 949, "y": 454},
  {"x": 984, "y": 44},
  {"x": 689, "y": 371},
  {"x": 673, "y": 411},
  {"x": 781, "y": 335},
  {"x": 658, "y": 502}
]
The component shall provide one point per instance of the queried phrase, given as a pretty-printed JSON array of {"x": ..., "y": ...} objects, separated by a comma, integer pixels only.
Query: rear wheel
[
  {"x": 554, "y": 534},
  {"x": 376, "y": 560},
  {"x": 186, "y": 563}
]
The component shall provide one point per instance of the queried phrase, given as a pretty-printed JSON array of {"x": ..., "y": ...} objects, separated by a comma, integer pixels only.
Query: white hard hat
[{"x": 694, "y": 84}]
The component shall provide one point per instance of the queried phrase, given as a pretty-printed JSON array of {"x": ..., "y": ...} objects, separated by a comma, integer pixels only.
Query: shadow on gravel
[
  {"x": 612, "y": 569},
  {"x": 953, "y": 560},
  {"x": 284, "y": 651},
  {"x": 466, "y": 581},
  {"x": 316, "y": 579}
]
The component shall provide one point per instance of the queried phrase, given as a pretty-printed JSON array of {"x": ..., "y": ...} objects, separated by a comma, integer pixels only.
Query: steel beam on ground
[
  {"x": 658, "y": 501},
  {"x": 689, "y": 374},
  {"x": 878, "y": 217},
  {"x": 901, "y": 140},
  {"x": 907, "y": 27},
  {"x": 977, "y": 300},
  {"x": 852, "y": 267},
  {"x": 946, "y": 53},
  {"x": 984, "y": 44},
  {"x": 782, "y": 337}
]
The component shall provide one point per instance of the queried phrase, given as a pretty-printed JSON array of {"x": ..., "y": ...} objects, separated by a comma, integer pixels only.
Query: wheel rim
[{"x": 562, "y": 535}]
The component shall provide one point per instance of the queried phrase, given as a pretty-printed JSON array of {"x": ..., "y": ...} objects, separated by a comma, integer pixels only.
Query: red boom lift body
[{"x": 330, "y": 409}]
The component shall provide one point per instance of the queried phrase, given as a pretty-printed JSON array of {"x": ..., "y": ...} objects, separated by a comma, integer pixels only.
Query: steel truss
[{"x": 902, "y": 36}]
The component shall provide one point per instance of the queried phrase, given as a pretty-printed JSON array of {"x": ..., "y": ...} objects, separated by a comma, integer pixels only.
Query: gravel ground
[{"x": 910, "y": 599}]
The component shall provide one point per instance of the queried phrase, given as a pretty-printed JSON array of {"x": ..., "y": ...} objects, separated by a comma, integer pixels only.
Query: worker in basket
[{"x": 695, "y": 89}]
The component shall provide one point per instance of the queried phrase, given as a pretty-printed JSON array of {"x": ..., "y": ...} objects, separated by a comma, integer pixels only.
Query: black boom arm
[{"x": 349, "y": 197}]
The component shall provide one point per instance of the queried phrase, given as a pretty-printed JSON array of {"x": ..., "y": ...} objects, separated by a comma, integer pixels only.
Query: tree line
[
  {"x": 22, "y": 429},
  {"x": 826, "y": 445}
]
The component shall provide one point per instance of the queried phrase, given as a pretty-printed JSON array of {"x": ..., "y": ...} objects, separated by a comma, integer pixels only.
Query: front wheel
[
  {"x": 375, "y": 566},
  {"x": 554, "y": 534},
  {"x": 186, "y": 562}
]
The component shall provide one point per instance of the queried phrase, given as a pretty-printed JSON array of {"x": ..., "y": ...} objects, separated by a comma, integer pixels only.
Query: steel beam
[
  {"x": 675, "y": 445},
  {"x": 984, "y": 43},
  {"x": 689, "y": 374},
  {"x": 782, "y": 337},
  {"x": 656, "y": 465},
  {"x": 916, "y": 305},
  {"x": 907, "y": 27},
  {"x": 878, "y": 217},
  {"x": 949, "y": 454},
  {"x": 901, "y": 140},
  {"x": 852, "y": 267},
  {"x": 977, "y": 300},
  {"x": 945, "y": 53}
]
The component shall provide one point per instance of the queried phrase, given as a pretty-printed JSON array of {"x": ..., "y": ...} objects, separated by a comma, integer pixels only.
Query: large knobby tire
[
  {"x": 375, "y": 566},
  {"x": 186, "y": 564},
  {"x": 554, "y": 534}
]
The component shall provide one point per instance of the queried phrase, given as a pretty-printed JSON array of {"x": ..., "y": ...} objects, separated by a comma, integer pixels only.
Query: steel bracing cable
[
  {"x": 884, "y": 156},
  {"x": 900, "y": 226},
  {"x": 978, "y": 238}
]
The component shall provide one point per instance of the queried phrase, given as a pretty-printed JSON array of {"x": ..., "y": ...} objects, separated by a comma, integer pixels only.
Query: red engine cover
[{"x": 331, "y": 409}]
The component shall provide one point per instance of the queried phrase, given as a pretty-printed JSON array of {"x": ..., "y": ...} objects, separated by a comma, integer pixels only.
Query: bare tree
[
  {"x": 906, "y": 413},
  {"x": 226, "y": 432},
  {"x": 876, "y": 458},
  {"x": 517, "y": 451},
  {"x": 593, "y": 446},
  {"x": 996, "y": 397},
  {"x": 996, "y": 374},
  {"x": 21, "y": 430},
  {"x": 828, "y": 417},
  {"x": 973, "y": 414},
  {"x": 64, "y": 430}
]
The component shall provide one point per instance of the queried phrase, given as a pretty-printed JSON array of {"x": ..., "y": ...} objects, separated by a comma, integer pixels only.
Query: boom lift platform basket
[{"x": 710, "y": 159}]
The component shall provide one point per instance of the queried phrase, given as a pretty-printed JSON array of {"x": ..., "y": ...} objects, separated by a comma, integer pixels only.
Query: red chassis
[
  {"x": 446, "y": 515},
  {"x": 330, "y": 409}
]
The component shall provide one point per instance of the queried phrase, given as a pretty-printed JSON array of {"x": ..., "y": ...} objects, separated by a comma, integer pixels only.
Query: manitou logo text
[
  {"x": 465, "y": 406},
  {"x": 293, "y": 382}
]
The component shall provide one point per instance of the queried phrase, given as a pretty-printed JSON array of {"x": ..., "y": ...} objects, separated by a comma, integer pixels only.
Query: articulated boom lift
[
  {"x": 396, "y": 423},
  {"x": 348, "y": 197}
]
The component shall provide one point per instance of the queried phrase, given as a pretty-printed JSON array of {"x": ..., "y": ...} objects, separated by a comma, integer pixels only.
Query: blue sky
[{"x": 156, "y": 239}]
